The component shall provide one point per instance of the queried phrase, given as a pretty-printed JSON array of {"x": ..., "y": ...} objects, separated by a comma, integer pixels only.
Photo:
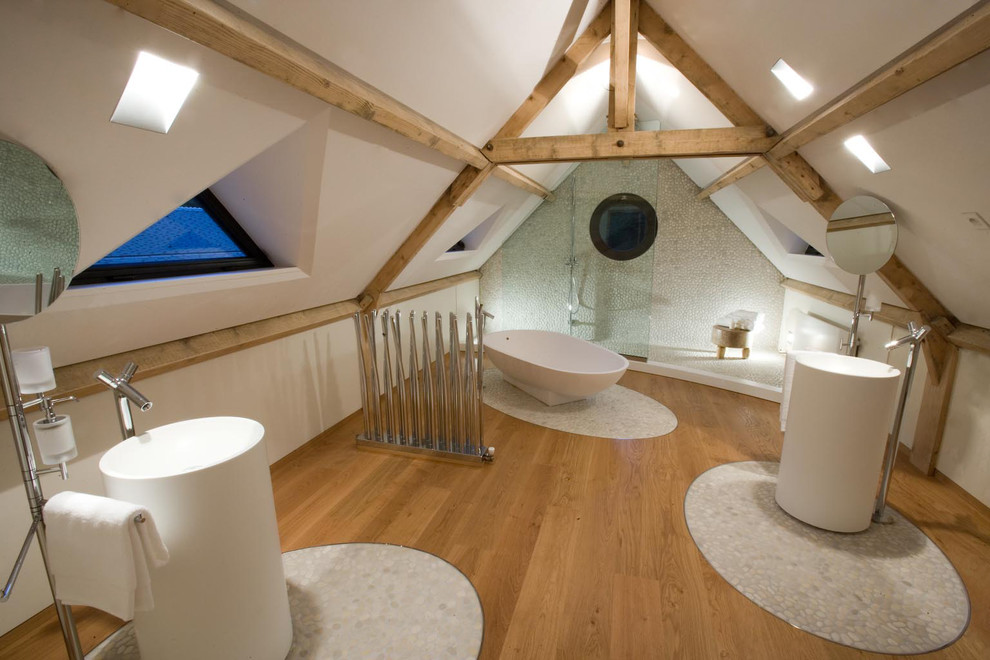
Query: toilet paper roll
[
  {"x": 33, "y": 367},
  {"x": 56, "y": 441}
]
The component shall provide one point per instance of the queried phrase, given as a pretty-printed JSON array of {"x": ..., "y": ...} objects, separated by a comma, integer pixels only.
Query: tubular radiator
[{"x": 422, "y": 405}]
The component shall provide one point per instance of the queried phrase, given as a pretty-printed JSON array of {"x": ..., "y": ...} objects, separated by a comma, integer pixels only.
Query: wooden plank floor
[{"x": 577, "y": 545}]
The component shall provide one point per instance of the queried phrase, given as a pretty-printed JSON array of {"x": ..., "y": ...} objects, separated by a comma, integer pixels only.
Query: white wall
[
  {"x": 296, "y": 387},
  {"x": 965, "y": 453}
]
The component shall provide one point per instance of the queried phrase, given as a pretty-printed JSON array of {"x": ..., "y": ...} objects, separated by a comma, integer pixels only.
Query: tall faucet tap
[{"x": 125, "y": 395}]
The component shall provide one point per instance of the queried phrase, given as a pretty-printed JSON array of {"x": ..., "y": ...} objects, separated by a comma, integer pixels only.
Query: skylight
[
  {"x": 862, "y": 149},
  {"x": 795, "y": 84},
  {"x": 154, "y": 93}
]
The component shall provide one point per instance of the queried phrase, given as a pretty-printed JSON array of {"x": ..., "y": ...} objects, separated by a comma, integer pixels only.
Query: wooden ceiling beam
[
  {"x": 622, "y": 70},
  {"x": 960, "y": 39},
  {"x": 520, "y": 180},
  {"x": 471, "y": 177},
  {"x": 691, "y": 143},
  {"x": 558, "y": 75},
  {"x": 241, "y": 37},
  {"x": 696, "y": 70},
  {"x": 738, "y": 172}
]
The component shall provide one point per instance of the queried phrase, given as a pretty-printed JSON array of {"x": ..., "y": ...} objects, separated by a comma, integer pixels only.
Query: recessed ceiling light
[
  {"x": 795, "y": 84},
  {"x": 869, "y": 157},
  {"x": 154, "y": 93}
]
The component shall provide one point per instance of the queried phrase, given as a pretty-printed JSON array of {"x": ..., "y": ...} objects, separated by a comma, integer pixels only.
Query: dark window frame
[
  {"x": 254, "y": 258},
  {"x": 623, "y": 199}
]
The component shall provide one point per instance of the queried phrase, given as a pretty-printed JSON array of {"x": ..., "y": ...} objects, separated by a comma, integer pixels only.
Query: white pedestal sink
[
  {"x": 223, "y": 594},
  {"x": 837, "y": 425}
]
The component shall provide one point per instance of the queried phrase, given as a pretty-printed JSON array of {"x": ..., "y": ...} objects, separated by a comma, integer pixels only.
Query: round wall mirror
[
  {"x": 861, "y": 235},
  {"x": 623, "y": 226},
  {"x": 39, "y": 236}
]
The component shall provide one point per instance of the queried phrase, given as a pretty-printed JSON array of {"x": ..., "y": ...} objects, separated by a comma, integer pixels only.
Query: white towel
[{"x": 99, "y": 555}]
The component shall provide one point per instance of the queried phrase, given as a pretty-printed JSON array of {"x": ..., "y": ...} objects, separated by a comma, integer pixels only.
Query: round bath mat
[
  {"x": 888, "y": 589},
  {"x": 365, "y": 600},
  {"x": 616, "y": 412}
]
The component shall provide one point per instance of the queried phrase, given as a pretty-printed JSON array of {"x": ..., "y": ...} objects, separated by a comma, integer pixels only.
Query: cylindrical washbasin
[
  {"x": 553, "y": 367},
  {"x": 207, "y": 484},
  {"x": 837, "y": 426}
]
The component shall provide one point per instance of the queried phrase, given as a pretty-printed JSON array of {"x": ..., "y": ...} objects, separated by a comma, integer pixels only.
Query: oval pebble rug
[
  {"x": 616, "y": 412},
  {"x": 888, "y": 589},
  {"x": 365, "y": 600}
]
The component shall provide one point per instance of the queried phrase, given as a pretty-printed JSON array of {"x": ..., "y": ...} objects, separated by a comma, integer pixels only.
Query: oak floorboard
[{"x": 578, "y": 546}]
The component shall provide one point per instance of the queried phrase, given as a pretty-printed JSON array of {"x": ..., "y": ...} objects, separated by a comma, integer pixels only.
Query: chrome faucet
[
  {"x": 915, "y": 336},
  {"x": 125, "y": 395}
]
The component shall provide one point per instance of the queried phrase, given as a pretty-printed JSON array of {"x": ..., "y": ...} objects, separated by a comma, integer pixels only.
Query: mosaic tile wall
[
  {"x": 704, "y": 267},
  {"x": 700, "y": 268}
]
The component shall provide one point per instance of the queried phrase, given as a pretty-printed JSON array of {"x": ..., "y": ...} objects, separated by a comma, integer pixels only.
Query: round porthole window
[{"x": 623, "y": 226}]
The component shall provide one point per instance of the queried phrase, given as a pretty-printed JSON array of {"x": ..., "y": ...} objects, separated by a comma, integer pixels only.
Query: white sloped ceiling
[{"x": 332, "y": 196}]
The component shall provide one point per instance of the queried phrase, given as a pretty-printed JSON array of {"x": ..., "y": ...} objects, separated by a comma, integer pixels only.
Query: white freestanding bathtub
[{"x": 553, "y": 367}]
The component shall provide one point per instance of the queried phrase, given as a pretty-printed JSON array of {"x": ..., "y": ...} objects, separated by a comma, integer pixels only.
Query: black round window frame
[{"x": 626, "y": 199}]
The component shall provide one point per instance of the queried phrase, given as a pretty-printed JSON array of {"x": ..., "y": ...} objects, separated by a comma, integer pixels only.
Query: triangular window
[{"x": 198, "y": 238}]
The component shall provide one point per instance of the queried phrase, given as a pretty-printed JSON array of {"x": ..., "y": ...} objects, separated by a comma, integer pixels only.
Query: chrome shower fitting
[{"x": 125, "y": 395}]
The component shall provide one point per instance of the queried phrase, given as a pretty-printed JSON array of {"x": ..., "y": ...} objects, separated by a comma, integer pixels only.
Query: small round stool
[{"x": 725, "y": 337}]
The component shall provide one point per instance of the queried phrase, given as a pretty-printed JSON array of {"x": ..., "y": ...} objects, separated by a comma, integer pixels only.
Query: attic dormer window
[{"x": 198, "y": 238}]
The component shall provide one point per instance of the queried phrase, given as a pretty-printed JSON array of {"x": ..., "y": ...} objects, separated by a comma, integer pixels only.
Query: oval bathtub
[{"x": 553, "y": 367}]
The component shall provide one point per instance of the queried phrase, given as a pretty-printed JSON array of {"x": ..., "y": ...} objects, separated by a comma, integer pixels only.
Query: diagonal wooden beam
[
  {"x": 738, "y": 172},
  {"x": 243, "y": 38},
  {"x": 695, "y": 69},
  {"x": 558, "y": 75},
  {"x": 622, "y": 71},
  {"x": 963, "y": 37},
  {"x": 463, "y": 187},
  {"x": 471, "y": 177},
  {"x": 799, "y": 175},
  {"x": 520, "y": 180},
  {"x": 690, "y": 143}
]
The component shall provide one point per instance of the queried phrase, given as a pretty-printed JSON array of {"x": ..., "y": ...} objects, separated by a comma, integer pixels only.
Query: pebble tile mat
[
  {"x": 616, "y": 412},
  {"x": 365, "y": 600},
  {"x": 888, "y": 589}
]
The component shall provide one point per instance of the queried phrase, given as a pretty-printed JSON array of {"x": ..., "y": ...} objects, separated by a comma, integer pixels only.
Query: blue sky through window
[{"x": 188, "y": 233}]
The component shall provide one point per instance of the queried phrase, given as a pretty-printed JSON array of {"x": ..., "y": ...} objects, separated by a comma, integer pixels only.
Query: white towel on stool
[{"x": 99, "y": 555}]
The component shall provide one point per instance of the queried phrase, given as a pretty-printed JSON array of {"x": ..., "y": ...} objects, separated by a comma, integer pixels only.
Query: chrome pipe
[
  {"x": 389, "y": 432},
  {"x": 32, "y": 487},
  {"x": 369, "y": 350},
  {"x": 470, "y": 394},
  {"x": 481, "y": 318},
  {"x": 454, "y": 385},
  {"x": 362, "y": 377},
  {"x": 402, "y": 424},
  {"x": 890, "y": 453},
  {"x": 39, "y": 292},
  {"x": 429, "y": 399},
  {"x": 416, "y": 401},
  {"x": 854, "y": 326},
  {"x": 440, "y": 391},
  {"x": 21, "y": 556},
  {"x": 58, "y": 283}
]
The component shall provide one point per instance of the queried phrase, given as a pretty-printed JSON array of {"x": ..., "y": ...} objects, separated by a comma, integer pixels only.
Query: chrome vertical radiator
[{"x": 416, "y": 402}]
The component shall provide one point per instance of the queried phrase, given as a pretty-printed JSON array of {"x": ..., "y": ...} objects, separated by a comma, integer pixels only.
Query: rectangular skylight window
[
  {"x": 795, "y": 84},
  {"x": 154, "y": 93},
  {"x": 869, "y": 157}
]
